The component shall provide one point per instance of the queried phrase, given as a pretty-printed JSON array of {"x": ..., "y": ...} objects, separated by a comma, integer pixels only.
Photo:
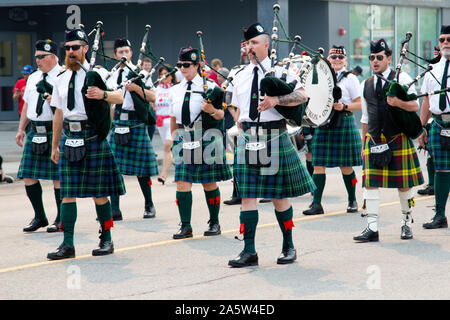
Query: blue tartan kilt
[
  {"x": 337, "y": 147},
  {"x": 287, "y": 177},
  {"x": 137, "y": 158},
  {"x": 35, "y": 166},
  {"x": 96, "y": 175},
  {"x": 441, "y": 156}
]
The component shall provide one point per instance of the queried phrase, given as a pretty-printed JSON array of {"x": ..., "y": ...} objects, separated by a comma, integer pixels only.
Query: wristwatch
[
  {"x": 105, "y": 94},
  {"x": 345, "y": 107}
]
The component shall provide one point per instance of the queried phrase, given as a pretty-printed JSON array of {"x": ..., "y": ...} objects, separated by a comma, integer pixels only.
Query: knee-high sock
[
  {"x": 372, "y": 198},
  {"x": 285, "y": 221},
  {"x": 406, "y": 203},
  {"x": 58, "y": 204},
  {"x": 34, "y": 193},
  {"x": 441, "y": 189},
  {"x": 104, "y": 215},
  {"x": 115, "y": 203},
  {"x": 213, "y": 202},
  {"x": 430, "y": 170},
  {"x": 249, "y": 221},
  {"x": 350, "y": 182},
  {"x": 145, "y": 183},
  {"x": 68, "y": 218},
  {"x": 319, "y": 180},
  {"x": 184, "y": 202}
]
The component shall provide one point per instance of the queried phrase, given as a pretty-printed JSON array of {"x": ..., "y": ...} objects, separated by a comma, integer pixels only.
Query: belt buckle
[
  {"x": 188, "y": 128},
  {"x": 446, "y": 117},
  {"x": 75, "y": 126},
  {"x": 41, "y": 129},
  {"x": 124, "y": 117}
]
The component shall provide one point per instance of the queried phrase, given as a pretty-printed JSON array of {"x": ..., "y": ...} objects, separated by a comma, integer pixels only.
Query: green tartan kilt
[
  {"x": 96, "y": 175},
  {"x": 337, "y": 147},
  {"x": 35, "y": 166},
  {"x": 402, "y": 172},
  {"x": 441, "y": 156},
  {"x": 287, "y": 177},
  {"x": 138, "y": 157}
]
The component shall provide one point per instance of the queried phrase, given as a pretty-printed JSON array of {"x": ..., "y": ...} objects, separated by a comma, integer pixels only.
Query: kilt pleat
[
  {"x": 35, "y": 166},
  {"x": 441, "y": 156},
  {"x": 287, "y": 177},
  {"x": 337, "y": 147},
  {"x": 96, "y": 175},
  {"x": 138, "y": 157},
  {"x": 402, "y": 172}
]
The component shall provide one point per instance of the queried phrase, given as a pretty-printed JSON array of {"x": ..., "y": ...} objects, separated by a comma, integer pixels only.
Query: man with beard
[
  {"x": 36, "y": 163},
  {"x": 135, "y": 156},
  {"x": 86, "y": 164},
  {"x": 438, "y": 107}
]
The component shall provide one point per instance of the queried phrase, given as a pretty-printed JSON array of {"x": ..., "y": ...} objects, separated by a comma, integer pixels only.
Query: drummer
[{"x": 338, "y": 145}]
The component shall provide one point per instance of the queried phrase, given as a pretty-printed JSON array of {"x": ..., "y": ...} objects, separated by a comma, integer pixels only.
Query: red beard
[{"x": 71, "y": 64}]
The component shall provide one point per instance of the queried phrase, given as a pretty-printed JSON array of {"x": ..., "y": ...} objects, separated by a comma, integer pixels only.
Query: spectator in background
[
  {"x": 222, "y": 72},
  {"x": 147, "y": 66},
  {"x": 19, "y": 88},
  {"x": 216, "y": 64},
  {"x": 357, "y": 71}
]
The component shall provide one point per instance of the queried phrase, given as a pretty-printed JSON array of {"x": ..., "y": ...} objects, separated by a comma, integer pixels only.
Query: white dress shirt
[
  {"x": 430, "y": 84},
  {"x": 128, "y": 103},
  {"x": 349, "y": 86},
  {"x": 31, "y": 95}
]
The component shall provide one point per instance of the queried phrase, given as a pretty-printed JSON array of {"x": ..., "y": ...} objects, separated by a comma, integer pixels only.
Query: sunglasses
[
  {"x": 75, "y": 47},
  {"x": 334, "y": 57},
  {"x": 379, "y": 58},
  {"x": 184, "y": 64},
  {"x": 441, "y": 40},
  {"x": 42, "y": 56}
]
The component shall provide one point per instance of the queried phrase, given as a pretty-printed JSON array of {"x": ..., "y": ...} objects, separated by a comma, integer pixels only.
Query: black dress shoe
[
  {"x": 406, "y": 233},
  {"x": 63, "y": 252},
  {"x": 213, "y": 230},
  {"x": 35, "y": 224},
  {"x": 104, "y": 248},
  {"x": 287, "y": 256},
  {"x": 427, "y": 191},
  {"x": 352, "y": 206},
  {"x": 233, "y": 201},
  {"x": 314, "y": 209},
  {"x": 265, "y": 200},
  {"x": 367, "y": 236},
  {"x": 54, "y": 227},
  {"x": 117, "y": 215},
  {"x": 245, "y": 259},
  {"x": 184, "y": 232},
  {"x": 436, "y": 223},
  {"x": 150, "y": 212}
]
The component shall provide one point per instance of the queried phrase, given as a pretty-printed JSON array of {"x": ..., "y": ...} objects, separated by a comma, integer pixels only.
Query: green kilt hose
[
  {"x": 441, "y": 156},
  {"x": 402, "y": 172},
  {"x": 201, "y": 173},
  {"x": 96, "y": 175},
  {"x": 137, "y": 158},
  {"x": 337, "y": 147},
  {"x": 38, "y": 166},
  {"x": 290, "y": 179}
]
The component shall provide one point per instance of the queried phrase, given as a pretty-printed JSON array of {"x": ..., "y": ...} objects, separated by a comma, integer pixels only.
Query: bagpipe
[
  {"x": 97, "y": 111},
  {"x": 44, "y": 89},
  {"x": 408, "y": 121},
  {"x": 314, "y": 73}
]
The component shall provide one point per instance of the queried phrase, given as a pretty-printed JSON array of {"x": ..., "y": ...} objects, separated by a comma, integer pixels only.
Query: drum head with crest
[{"x": 318, "y": 81}]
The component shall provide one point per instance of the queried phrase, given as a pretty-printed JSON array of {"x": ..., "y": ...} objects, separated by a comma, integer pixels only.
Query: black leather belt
[
  {"x": 38, "y": 125},
  {"x": 75, "y": 126},
  {"x": 280, "y": 124}
]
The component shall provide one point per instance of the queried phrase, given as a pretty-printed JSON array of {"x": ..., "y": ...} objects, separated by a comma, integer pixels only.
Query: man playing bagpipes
[
  {"x": 437, "y": 106},
  {"x": 129, "y": 138},
  {"x": 36, "y": 163},
  {"x": 389, "y": 155},
  {"x": 283, "y": 176},
  {"x": 80, "y": 126}
]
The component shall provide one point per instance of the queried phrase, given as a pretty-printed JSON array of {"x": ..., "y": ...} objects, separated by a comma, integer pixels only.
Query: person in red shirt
[
  {"x": 19, "y": 88},
  {"x": 216, "y": 64}
]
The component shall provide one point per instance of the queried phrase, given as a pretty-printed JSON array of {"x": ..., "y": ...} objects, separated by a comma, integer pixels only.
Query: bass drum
[
  {"x": 318, "y": 80},
  {"x": 296, "y": 136}
]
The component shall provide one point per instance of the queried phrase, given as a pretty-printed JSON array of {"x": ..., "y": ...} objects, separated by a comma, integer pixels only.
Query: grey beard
[{"x": 445, "y": 53}]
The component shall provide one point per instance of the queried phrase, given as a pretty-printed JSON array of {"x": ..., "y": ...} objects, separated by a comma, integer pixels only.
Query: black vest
[{"x": 380, "y": 120}]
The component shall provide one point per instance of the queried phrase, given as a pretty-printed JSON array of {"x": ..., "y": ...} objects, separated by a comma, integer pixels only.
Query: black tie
[
  {"x": 71, "y": 94},
  {"x": 41, "y": 100},
  {"x": 119, "y": 78},
  {"x": 185, "y": 112},
  {"x": 118, "y": 107},
  {"x": 379, "y": 89},
  {"x": 443, "y": 97},
  {"x": 254, "y": 96}
]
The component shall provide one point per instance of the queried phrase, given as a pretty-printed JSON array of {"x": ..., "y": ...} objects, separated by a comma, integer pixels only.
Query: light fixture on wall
[{"x": 342, "y": 31}]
